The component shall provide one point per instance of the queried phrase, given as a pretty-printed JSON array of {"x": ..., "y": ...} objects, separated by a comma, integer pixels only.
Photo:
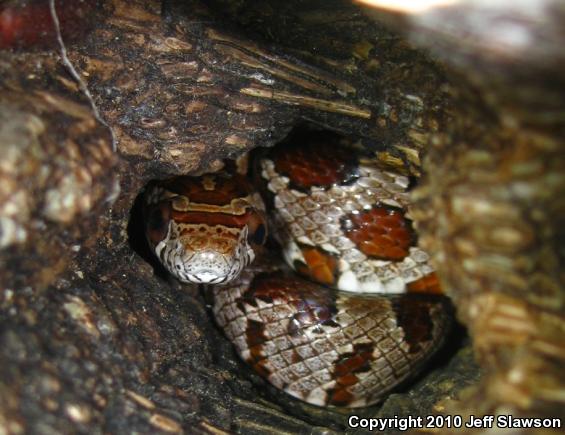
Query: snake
[{"x": 354, "y": 310}]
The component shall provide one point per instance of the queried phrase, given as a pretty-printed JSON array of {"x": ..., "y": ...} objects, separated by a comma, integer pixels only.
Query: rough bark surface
[
  {"x": 56, "y": 170},
  {"x": 491, "y": 205},
  {"x": 95, "y": 339}
]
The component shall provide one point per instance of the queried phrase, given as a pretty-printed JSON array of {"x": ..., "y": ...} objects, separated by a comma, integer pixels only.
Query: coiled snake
[{"x": 341, "y": 221}]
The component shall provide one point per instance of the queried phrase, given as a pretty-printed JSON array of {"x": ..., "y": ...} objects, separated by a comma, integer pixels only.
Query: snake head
[
  {"x": 207, "y": 254},
  {"x": 200, "y": 235}
]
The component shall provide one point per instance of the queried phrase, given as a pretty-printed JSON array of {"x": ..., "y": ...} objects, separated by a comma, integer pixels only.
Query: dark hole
[{"x": 137, "y": 239}]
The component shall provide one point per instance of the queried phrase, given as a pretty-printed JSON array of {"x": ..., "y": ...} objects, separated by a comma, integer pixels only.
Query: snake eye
[
  {"x": 155, "y": 220},
  {"x": 158, "y": 222},
  {"x": 259, "y": 235}
]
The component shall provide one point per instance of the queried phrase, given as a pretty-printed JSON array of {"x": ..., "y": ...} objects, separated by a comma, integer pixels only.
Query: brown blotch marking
[
  {"x": 313, "y": 305},
  {"x": 428, "y": 284},
  {"x": 260, "y": 367},
  {"x": 345, "y": 370},
  {"x": 255, "y": 334},
  {"x": 354, "y": 362},
  {"x": 253, "y": 293},
  {"x": 382, "y": 232},
  {"x": 315, "y": 159},
  {"x": 296, "y": 358},
  {"x": 339, "y": 397},
  {"x": 212, "y": 219},
  {"x": 414, "y": 317},
  {"x": 212, "y": 235},
  {"x": 227, "y": 188},
  {"x": 320, "y": 267}
]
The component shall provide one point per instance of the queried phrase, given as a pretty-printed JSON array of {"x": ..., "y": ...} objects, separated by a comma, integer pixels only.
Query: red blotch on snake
[
  {"x": 381, "y": 232},
  {"x": 315, "y": 163}
]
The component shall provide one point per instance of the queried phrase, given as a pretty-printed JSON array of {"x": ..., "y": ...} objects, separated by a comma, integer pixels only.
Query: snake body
[{"x": 363, "y": 316}]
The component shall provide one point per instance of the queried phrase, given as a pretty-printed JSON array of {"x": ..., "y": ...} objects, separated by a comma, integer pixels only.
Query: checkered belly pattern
[{"x": 361, "y": 311}]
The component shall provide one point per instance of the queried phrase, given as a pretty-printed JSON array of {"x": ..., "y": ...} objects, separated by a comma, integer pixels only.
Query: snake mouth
[
  {"x": 207, "y": 277},
  {"x": 214, "y": 276},
  {"x": 207, "y": 267}
]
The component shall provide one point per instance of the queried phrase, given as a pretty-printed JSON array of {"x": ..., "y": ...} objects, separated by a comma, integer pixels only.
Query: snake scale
[{"x": 361, "y": 311}]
